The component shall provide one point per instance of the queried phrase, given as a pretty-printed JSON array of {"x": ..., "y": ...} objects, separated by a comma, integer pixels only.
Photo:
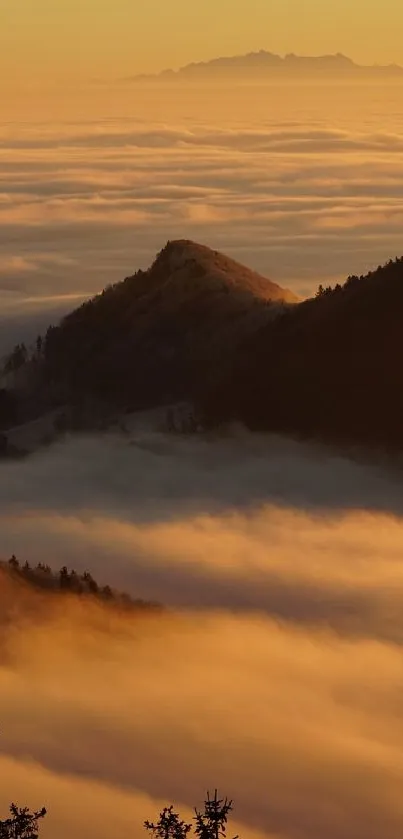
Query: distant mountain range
[
  {"x": 200, "y": 328},
  {"x": 268, "y": 65}
]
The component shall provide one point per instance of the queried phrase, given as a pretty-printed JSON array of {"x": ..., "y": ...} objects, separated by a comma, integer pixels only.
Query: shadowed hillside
[
  {"x": 200, "y": 328},
  {"x": 330, "y": 367},
  {"x": 159, "y": 334}
]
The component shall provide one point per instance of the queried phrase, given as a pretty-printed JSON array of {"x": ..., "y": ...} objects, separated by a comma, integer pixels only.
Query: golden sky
[{"x": 71, "y": 39}]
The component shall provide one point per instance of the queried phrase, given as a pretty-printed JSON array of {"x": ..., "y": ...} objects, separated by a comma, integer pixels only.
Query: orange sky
[{"x": 81, "y": 39}]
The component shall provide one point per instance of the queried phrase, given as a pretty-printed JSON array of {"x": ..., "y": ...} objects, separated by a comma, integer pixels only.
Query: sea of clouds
[
  {"x": 301, "y": 183},
  {"x": 276, "y": 673}
]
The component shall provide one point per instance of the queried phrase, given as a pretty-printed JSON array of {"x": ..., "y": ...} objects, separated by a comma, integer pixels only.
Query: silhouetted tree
[
  {"x": 90, "y": 582},
  {"x": 65, "y": 581},
  {"x": 64, "y": 577},
  {"x": 21, "y": 824},
  {"x": 169, "y": 825},
  {"x": 210, "y": 823},
  {"x": 16, "y": 359},
  {"x": 74, "y": 580},
  {"x": 13, "y": 563}
]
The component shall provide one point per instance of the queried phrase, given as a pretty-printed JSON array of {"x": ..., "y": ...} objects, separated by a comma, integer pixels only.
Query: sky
[{"x": 83, "y": 39}]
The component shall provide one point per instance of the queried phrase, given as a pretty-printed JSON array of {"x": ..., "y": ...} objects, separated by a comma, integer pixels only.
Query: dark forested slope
[
  {"x": 159, "y": 334},
  {"x": 200, "y": 327},
  {"x": 331, "y": 367}
]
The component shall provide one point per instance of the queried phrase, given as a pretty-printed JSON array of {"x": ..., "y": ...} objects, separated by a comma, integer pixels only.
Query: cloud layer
[
  {"x": 242, "y": 523},
  {"x": 279, "y": 678},
  {"x": 303, "y": 728},
  {"x": 301, "y": 187}
]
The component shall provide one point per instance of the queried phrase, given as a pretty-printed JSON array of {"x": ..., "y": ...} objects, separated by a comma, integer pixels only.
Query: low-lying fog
[{"x": 279, "y": 679}]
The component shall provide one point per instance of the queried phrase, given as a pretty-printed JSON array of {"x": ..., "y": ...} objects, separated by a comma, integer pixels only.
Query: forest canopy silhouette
[
  {"x": 21, "y": 823},
  {"x": 67, "y": 581},
  {"x": 210, "y": 823}
]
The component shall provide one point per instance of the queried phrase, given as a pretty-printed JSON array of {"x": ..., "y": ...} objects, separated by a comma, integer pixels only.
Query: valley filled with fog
[{"x": 275, "y": 674}]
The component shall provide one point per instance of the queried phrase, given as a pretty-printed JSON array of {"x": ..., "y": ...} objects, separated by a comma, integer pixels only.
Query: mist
[
  {"x": 300, "y": 725},
  {"x": 235, "y": 521},
  {"x": 23, "y": 318},
  {"x": 275, "y": 673}
]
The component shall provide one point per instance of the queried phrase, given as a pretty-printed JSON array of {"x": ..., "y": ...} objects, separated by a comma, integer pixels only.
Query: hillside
[
  {"x": 201, "y": 329},
  {"x": 160, "y": 334},
  {"x": 17, "y": 579},
  {"x": 331, "y": 368},
  {"x": 266, "y": 65}
]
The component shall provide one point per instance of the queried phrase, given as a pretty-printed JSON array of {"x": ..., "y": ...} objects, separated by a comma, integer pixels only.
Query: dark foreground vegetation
[
  {"x": 70, "y": 582},
  {"x": 21, "y": 823},
  {"x": 210, "y": 823}
]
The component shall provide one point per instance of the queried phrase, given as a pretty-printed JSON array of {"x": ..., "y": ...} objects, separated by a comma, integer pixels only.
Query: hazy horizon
[{"x": 82, "y": 40}]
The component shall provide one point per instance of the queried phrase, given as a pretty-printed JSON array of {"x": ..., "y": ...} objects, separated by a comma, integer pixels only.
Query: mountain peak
[
  {"x": 160, "y": 335},
  {"x": 193, "y": 263},
  {"x": 178, "y": 251}
]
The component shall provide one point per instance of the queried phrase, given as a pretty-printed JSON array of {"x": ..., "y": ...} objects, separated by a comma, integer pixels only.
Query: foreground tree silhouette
[
  {"x": 210, "y": 824},
  {"x": 21, "y": 824}
]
